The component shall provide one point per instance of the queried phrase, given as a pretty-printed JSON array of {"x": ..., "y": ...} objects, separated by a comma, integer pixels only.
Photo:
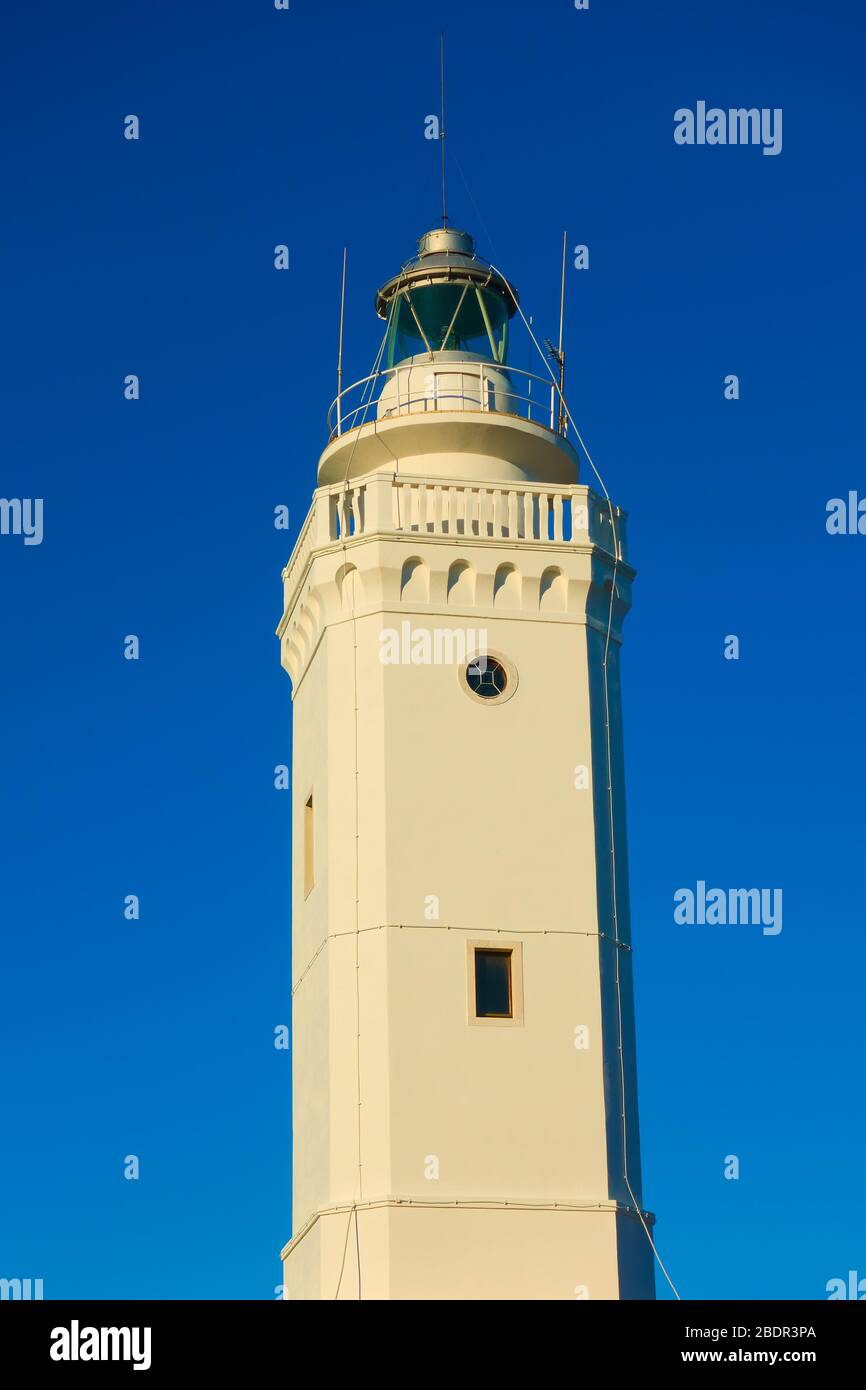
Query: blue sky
[{"x": 155, "y": 777}]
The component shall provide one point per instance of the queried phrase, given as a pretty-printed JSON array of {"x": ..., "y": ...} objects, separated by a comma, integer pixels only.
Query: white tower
[{"x": 465, "y": 1105}]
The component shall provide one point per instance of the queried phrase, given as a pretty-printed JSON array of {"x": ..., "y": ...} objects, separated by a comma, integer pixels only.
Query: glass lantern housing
[
  {"x": 448, "y": 318},
  {"x": 446, "y": 300}
]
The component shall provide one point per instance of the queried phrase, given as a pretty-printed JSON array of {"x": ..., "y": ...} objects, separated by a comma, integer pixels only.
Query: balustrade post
[
  {"x": 558, "y": 501},
  {"x": 378, "y": 506}
]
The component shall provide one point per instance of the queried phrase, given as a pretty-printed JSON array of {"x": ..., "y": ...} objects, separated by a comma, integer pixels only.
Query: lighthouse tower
[{"x": 464, "y": 1087}]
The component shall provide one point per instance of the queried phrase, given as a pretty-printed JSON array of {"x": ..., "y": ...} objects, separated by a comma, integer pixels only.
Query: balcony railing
[{"x": 415, "y": 387}]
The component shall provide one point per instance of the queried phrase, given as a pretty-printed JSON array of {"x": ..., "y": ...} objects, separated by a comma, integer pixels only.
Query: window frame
[
  {"x": 514, "y": 948},
  {"x": 309, "y": 845},
  {"x": 512, "y": 679}
]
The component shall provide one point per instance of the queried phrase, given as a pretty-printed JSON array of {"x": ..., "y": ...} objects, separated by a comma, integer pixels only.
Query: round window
[
  {"x": 486, "y": 677},
  {"x": 489, "y": 677}
]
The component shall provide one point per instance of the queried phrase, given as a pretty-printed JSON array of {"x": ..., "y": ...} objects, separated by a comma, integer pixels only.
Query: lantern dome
[{"x": 446, "y": 299}]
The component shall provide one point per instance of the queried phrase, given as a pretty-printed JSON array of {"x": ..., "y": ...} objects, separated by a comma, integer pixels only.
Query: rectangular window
[
  {"x": 494, "y": 983},
  {"x": 309, "y": 864},
  {"x": 493, "y": 997}
]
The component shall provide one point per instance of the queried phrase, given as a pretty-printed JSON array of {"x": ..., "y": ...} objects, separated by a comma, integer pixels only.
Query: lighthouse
[{"x": 465, "y": 1118}]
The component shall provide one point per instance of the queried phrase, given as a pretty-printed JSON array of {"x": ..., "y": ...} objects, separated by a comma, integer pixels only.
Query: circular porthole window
[{"x": 488, "y": 677}]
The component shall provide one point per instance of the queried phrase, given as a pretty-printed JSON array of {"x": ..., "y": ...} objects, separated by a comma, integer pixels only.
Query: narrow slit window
[
  {"x": 493, "y": 987},
  {"x": 309, "y": 862}
]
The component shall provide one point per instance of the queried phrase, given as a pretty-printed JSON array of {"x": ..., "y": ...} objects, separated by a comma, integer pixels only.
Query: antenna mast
[
  {"x": 562, "y": 416},
  {"x": 340, "y": 348},
  {"x": 558, "y": 356},
  {"x": 442, "y": 122}
]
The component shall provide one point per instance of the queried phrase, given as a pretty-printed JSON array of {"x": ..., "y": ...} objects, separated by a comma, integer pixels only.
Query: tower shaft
[{"x": 458, "y": 1134}]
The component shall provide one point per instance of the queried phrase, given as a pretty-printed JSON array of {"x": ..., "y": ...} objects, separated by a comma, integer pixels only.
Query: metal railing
[{"x": 495, "y": 393}]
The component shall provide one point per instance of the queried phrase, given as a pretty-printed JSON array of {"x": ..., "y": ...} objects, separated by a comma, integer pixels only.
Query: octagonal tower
[{"x": 464, "y": 1086}]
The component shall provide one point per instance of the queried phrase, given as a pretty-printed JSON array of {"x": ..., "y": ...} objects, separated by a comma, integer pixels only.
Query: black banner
[{"x": 163, "y": 1339}]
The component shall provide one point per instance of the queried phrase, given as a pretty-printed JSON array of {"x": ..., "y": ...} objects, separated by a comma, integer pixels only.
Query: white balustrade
[{"x": 495, "y": 512}]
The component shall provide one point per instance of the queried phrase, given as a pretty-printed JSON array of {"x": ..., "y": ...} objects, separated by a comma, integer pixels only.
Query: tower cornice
[
  {"x": 458, "y": 510},
  {"x": 367, "y": 533}
]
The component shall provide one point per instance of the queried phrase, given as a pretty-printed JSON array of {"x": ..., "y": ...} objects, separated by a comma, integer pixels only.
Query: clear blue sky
[{"x": 261, "y": 127}]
